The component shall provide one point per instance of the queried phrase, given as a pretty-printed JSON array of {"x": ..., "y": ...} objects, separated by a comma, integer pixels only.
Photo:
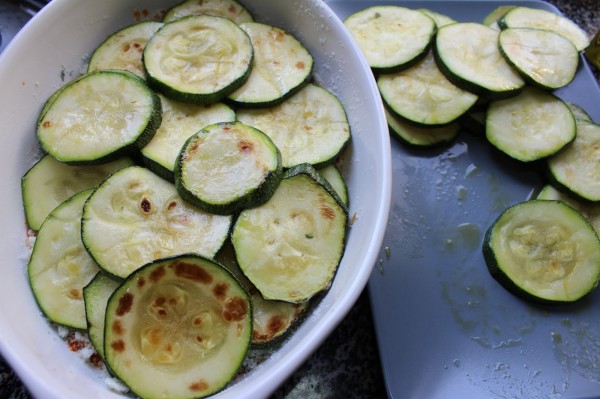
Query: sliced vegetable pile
[
  {"x": 498, "y": 77},
  {"x": 189, "y": 204}
]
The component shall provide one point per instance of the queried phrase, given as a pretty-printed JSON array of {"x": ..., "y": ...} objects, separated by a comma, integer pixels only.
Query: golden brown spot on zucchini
[
  {"x": 171, "y": 205},
  {"x": 200, "y": 385},
  {"x": 220, "y": 290},
  {"x": 118, "y": 345},
  {"x": 141, "y": 282},
  {"x": 277, "y": 34},
  {"x": 146, "y": 206},
  {"x": 300, "y": 65},
  {"x": 75, "y": 293},
  {"x": 192, "y": 272},
  {"x": 125, "y": 303},
  {"x": 236, "y": 309},
  {"x": 232, "y": 9},
  {"x": 157, "y": 274},
  {"x": 276, "y": 325},
  {"x": 327, "y": 212},
  {"x": 117, "y": 327},
  {"x": 126, "y": 48},
  {"x": 245, "y": 146},
  {"x": 47, "y": 124}
]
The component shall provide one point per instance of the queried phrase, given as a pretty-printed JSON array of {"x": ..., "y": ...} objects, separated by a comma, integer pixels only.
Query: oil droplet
[
  {"x": 461, "y": 193},
  {"x": 470, "y": 234},
  {"x": 456, "y": 363}
]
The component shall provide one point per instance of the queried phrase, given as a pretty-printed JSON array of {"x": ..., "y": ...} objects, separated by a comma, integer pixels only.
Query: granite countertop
[{"x": 347, "y": 364}]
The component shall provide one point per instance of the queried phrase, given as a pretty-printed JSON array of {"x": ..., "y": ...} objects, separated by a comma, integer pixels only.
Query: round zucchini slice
[
  {"x": 421, "y": 137},
  {"x": 198, "y": 59},
  {"x": 99, "y": 117},
  {"x": 422, "y": 95},
  {"x": 533, "y": 125},
  {"x": 179, "y": 122},
  {"x": 282, "y": 66},
  {"x": 96, "y": 295},
  {"x": 290, "y": 247},
  {"x": 576, "y": 168},
  {"x": 468, "y": 54},
  {"x": 309, "y": 127},
  {"x": 526, "y": 17},
  {"x": 178, "y": 328},
  {"x": 50, "y": 182},
  {"x": 123, "y": 49},
  {"x": 135, "y": 217},
  {"x": 543, "y": 251},
  {"x": 391, "y": 37},
  {"x": 226, "y": 167},
  {"x": 229, "y": 9},
  {"x": 544, "y": 58},
  {"x": 60, "y": 266}
]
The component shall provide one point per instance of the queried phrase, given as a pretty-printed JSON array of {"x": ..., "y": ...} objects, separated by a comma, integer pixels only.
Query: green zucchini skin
[
  {"x": 519, "y": 221},
  {"x": 229, "y": 9},
  {"x": 96, "y": 295}
]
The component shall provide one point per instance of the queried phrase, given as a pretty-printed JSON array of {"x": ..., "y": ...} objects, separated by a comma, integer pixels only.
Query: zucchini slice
[
  {"x": 579, "y": 113},
  {"x": 271, "y": 320},
  {"x": 439, "y": 19},
  {"x": 334, "y": 177},
  {"x": 543, "y": 251},
  {"x": 179, "y": 122},
  {"x": 309, "y": 127},
  {"x": 421, "y": 137},
  {"x": 530, "y": 126},
  {"x": 123, "y": 49},
  {"x": 290, "y": 247},
  {"x": 590, "y": 210},
  {"x": 391, "y": 37},
  {"x": 526, "y": 17},
  {"x": 282, "y": 66},
  {"x": 468, "y": 54},
  {"x": 99, "y": 117},
  {"x": 60, "y": 266},
  {"x": 178, "y": 328},
  {"x": 96, "y": 295},
  {"x": 576, "y": 168},
  {"x": 226, "y": 167},
  {"x": 229, "y": 9},
  {"x": 422, "y": 95},
  {"x": 198, "y": 59},
  {"x": 50, "y": 182},
  {"x": 543, "y": 58},
  {"x": 492, "y": 18},
  {"x": 135, "y": 217}
]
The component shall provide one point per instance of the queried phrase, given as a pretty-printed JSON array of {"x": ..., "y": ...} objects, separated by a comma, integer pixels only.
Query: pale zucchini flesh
[
  {"x": 96, "y": 295},
  {"x": 229, "y": 9},
  {"x": 271, "y": 320},
  {"x": 198, "y": 58},
  {"x": 282, "y": 65},
  {"x": 123, "y": 49},
  {"x": 135, "y": 217},
  {"x": 439, "y": 19},
  {"x": 526, "y": 17},
  {"x": 332, "y": 174},
  {"x": 226, "y": 167},
  {"x": 530, "y": 126},
  {"x": 590, "y": 210},
  {"x": 179, "y": 122},
  {"x": 577, "y": 167},
  {"x": 290, "y": 247},
  {"x": 60, "y": 267},
  {"x": 422, "y": 95},
  {"x": 391, "y": 37},
  {"x": 101, "y": 116},
  {"x": 544, "y": 251},
  {"x": 309, "y": 127},
  {"x": 468, "y": 54},
  {"x": 178, "y": 328},
  {"x": 543, "y": 58},
  {"x": 50, "y": 182}
]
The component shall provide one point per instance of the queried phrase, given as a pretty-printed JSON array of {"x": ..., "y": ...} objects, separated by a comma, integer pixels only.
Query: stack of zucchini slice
[
  {"x": 498, "y": 78},
  {"x": 189, "y": 203}
]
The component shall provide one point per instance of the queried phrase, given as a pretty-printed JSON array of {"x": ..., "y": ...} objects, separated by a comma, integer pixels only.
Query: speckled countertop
[{"x": 347, "y": 364}]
